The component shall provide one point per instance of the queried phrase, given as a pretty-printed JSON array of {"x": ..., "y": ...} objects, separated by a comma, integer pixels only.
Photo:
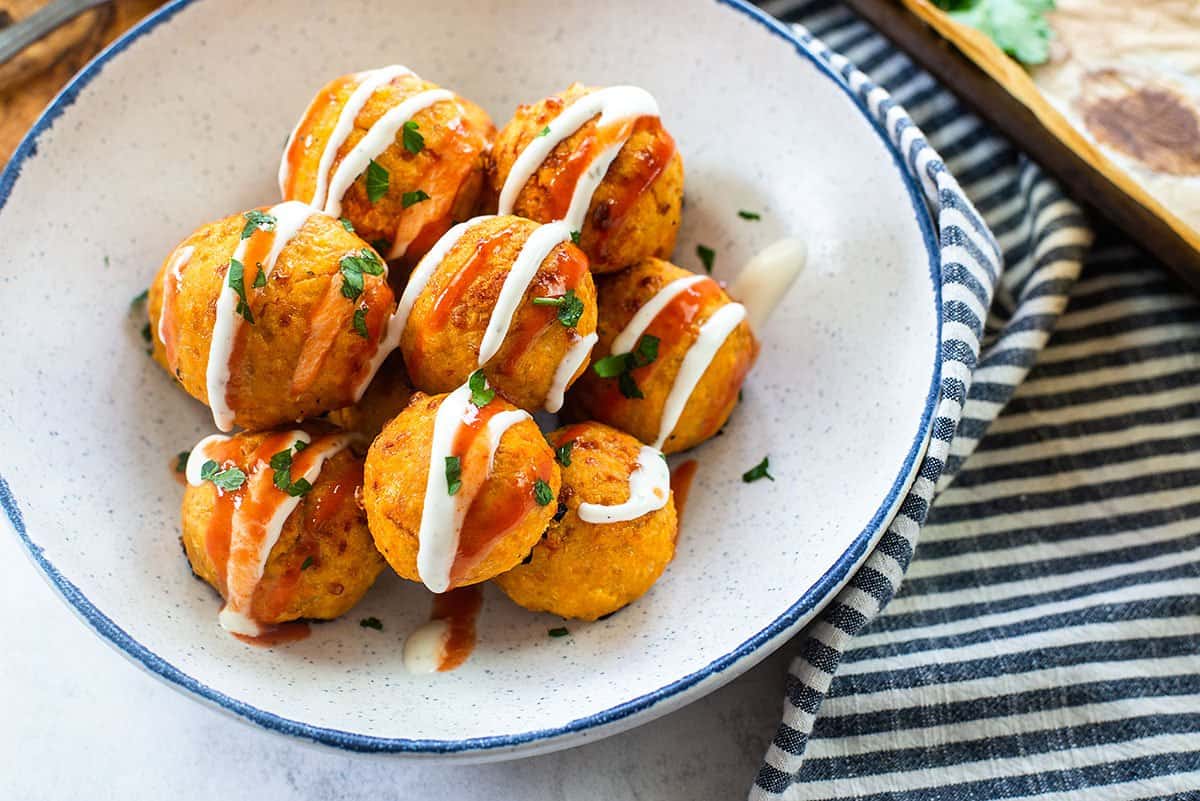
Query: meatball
[
  {"x": 507, "y": 295},
  {"x": 271, "y": 316},
  {"x": 459, "y": 487},
  {"x": 585, "y": 569},
  {"x": 293, "y": 496},
  {"x": 395, "y": 155},
  {"x": 625, "y": 212},
  {"x": 675, "y": 351},
  {"x": 385, "y": 398}
]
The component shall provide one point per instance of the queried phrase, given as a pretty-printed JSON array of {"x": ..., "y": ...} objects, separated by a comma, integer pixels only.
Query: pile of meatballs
[{"x": 380, "y": 338}]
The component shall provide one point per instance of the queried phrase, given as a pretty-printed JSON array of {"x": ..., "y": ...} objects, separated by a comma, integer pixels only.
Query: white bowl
[{"x": 182, "y": 122}]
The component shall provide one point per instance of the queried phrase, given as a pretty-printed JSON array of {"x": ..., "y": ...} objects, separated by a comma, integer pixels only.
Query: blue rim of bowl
[{"x": 351, "y": 741}]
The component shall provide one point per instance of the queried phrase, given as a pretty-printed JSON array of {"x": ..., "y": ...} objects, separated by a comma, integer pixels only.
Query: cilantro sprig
[
  {"x": 414, "y": 142},
  {"x": 563, "y": 453},
  {"x": 542, "y": 492},
  {"x": 453, "y": 475},
  {"x": 570, "y": 307},
  {"x": 377, "y": 181},
  {"x": 353, "y": 267},
  {"x": 481, "y": 394},
  {"x": 413, "y": 198},
  {"x": 257, "y": 221},
  {"x": 281, "y": 463},
  {"x": 622, "y": 365},
  {"x": 237, "y": 282},
  {"x": 759, "y": 470},
  {"x": 707, "y": 256},
  {"x": 227, "y": 480}
]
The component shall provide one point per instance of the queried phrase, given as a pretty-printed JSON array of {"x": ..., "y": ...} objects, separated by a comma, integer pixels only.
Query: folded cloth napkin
[{"x": 1047, "y": 636}]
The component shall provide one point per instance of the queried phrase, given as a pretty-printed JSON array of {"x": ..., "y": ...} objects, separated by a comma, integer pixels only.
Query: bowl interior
[{"x": 185, "y": 125}]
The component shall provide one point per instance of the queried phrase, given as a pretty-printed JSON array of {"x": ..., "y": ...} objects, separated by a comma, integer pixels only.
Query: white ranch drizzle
[
  {"x": 627, "y": 340},
  {"x": 289, "y": 219},
  {"x": 649, "y": 490},
  {"x": 524, "y": 268},
  {"x": 174, "y": 272},
  {"x": 713, "y": 333},
  {"x": 425, "y": 647},
  {"x": 370, "y": 81},
  {"x": 378, "y": 138},
  {"x": 427, "y": 267},
  {"x": 575, "y": 356},
  {"x": 240, "y": 587},
  {"x": 766, "y": 278},
  {"x": 442, "y": 514},
  {"x": 614, "y": 104}
]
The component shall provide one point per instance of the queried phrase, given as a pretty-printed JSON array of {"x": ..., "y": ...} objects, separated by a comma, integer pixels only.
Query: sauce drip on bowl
[{"x": 448, "y": 639}]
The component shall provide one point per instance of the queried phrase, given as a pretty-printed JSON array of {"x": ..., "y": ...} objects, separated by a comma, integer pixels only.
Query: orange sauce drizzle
[
  {"x": 609, "y": 215},
  {"x": 533, "y": 321},
  {"x": 421, "y": 225},
  {"x": 561, "y": 186},
  {"x": 460, "y": 609},
  {"x": 330, "y": 317},
  {"x": 314, "y": 115},
  {"x": 681, "y": 484},
  {"x": 257, "y": 249}
]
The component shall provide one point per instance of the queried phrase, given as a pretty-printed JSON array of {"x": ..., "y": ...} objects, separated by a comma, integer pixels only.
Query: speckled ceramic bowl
[{"x": 182, "y": 121}]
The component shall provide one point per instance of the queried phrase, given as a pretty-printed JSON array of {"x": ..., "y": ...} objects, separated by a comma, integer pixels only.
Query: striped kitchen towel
[{"x": 1046, "y": 638}]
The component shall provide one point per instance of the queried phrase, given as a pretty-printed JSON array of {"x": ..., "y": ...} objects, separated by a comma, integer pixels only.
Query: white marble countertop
[{"x": 82, "y": 722}]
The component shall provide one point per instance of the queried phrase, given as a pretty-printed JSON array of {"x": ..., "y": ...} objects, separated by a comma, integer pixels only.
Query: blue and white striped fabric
[{"x": 1046, "y": 638}]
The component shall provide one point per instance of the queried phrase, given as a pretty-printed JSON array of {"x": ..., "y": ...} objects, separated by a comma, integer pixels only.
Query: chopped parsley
[
  {"x": 413, "y": 198},
  {"x": 281, "y": 463},
  {"x": 706, "y": 255},
  {"x": 371, "y": 623},
  {"x": 575, "y": 236},
  {"x": 558, "y": 632},
  {"x": 413, "y": 141},
  {"x": 545, "y": 131},
  {"x": 1018, "y": 27},
  {"x": 260, "y": 280},
  {"x": 481, "y": 395},
  {"x": 349, "y": 226},
  {"x": 140, "y": 297},
  {"x": 308, "y": 562},
  {"x": 146, "y": 332},
  {"x": 749, "y": 215},
  {"x": 380, "y": 245},
  {"x": 353, "y": 266},
  {"x": 758, "y": 471},
  {"x": 257, "y": 221},
  {"x": 237, "y": 283},
  {"x": 622, "y": 365},
  {"x": 453, "y": 475},
  {"x": 563, "y": 453},
  {"x": 377, "y": 181},
  {"x": 570, "y": 307},
  {"x": 360, "y": 322},
  {"x": 542, "y": 492},
  {"x": 181, "y": 460},
  {"x": 228, "y": 480}
]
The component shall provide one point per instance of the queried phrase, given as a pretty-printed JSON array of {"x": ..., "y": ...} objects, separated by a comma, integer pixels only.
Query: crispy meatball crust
[
  {"x": 646, "y": 228},
  {"x": 450, "y": 167},
  {"x": 329, "y": 527},
  {"x": 716, "y": 394},
  {"x": 397, "y": 470},
  {"x": 441, "y": 347},
  {"x": 387, "y": 395},
  {"x": 588, "y": 570},
  {"x": 302, "y": 355}
]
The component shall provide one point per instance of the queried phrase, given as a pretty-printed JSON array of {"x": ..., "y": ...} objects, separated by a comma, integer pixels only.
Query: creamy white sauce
[
  {"x": 649, "y": 490},
  {"x": 425, "y": 647},
  {"x": 428, "y": 265},
  {"x": 627, "y": 340},
  {"x": 572, "y": 360},
  {"x": 378, "y": 138},
  {"x": 614, "y": 104},
  {"x": 174, "y": 272},
  {"x": 713, "y": 333},
  {"x": 442, "y": 514},
  {"x": 520, "y": 275},
  {"x": 370, "y": 81},
  {"x": 289, "y": 219},
  {"x": 240, "y": 584},
  {"x": 766, "y": 278}
]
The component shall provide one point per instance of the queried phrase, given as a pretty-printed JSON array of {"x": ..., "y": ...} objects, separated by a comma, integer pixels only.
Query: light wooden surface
[{"x": 31, "y": 80}]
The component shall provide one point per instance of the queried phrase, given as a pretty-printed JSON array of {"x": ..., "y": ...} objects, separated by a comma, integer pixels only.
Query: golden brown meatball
[
  {"x": 587, "y": 569},
  {"x": 322, "y": 560},
  {"x": 482, "y": 508},
  {"x": 632, "y": 389},
  {"x": 544, "y": 347},
  {"x": 401, "y": 168},
  {"x": 253, "y": 315},
  {"x": 634, "y": 212},
  {"x": 385, "y": 398}
]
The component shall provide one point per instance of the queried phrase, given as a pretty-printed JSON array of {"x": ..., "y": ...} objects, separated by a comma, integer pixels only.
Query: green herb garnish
[
  {"x": 353, "y": 266},
  {"x": 377, "y": 181},
  {"x": 257, "y": 221},
  {"x": 1018, "y": 27},
  {"x": 563, "y": 453},
  {"x": 349, "y": 226},
  {"x": 413, "y": 198},
  {"x": 481, "y": 395},
  {"x": 570, "y": 307},
  {"x": 140, "y": 297},
  {"x": 453, "y": 474},
  {"x": 371, "y": 623},
  {"x": 181, "y": 460},
  {"x": 236, "y": 280},
  {"x": 380, "y": 245},
  {"x": 575, "y": 236},
  {"x": 706, "y": 255},
  {"x": 308, "y": 562},
  {"x": 146, "y": 332},
  {"x": 260, "y": 280},
  {"x": 228, "y": 480},
  {"x": 413, "y": 141},
  {"x": 542, "y": 492},
  {"x": 281, "y": 463},
  {"x": 758, "y": 471},
  {"x": 622, "y": 365},
  {"x": 558, "y": 632},
  {"x": 749, "y": 215},
  {"x": 545, "y": 131},
  {"x": 360, "y": 323}
]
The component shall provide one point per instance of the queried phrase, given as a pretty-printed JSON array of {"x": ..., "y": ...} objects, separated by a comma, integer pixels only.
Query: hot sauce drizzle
[
  {"x": 448, "y": 639},
  {"x": 168, "y": 333}
]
